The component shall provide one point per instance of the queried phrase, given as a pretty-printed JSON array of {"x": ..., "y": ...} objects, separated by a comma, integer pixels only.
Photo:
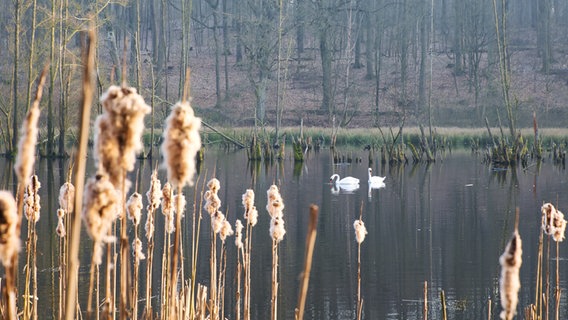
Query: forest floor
[{"x": 452, "y": 97}]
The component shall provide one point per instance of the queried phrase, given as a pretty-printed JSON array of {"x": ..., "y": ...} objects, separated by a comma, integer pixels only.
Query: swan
[
  {"x": 343, "y": 182},
  {"x": 375, "y": 180}
]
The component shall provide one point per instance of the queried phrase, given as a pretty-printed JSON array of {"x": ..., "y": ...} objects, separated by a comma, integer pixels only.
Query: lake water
[{"x": 446, "y": 223}]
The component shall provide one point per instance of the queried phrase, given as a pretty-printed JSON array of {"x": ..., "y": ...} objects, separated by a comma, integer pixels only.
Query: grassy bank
[{"x": 453, "y": 136}]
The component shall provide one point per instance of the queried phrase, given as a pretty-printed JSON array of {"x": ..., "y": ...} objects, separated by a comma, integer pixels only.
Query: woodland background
[{"x": 348, "y": 63}]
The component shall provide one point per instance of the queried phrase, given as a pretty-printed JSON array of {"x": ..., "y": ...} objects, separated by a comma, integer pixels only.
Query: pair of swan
[{"x": 351, "y": 181}]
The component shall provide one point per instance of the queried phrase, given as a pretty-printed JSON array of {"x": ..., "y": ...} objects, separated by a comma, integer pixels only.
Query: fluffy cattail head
[
  {"x": 137, "y": 251},
  {"x": 154, "y": 194},
  {"x": 167, "y": 198},
  {"x": 214, "y": 185},
  {"x": 99, "y": 211},
  {"x": 239, "y": 234},
  {"x": 134, "y": 208},
  {"x": 118, "y": 131},
  {"x": 60, "y": 230},
  {"x": 67, "y": 197},
  {"x": 212, "y": 202},
  {"x": 217, "y": 220},
  {"x": 252, "y": 216},
  {"x": 9, "y": 239},
  {"x": 509, "y": 282},
  {"x": 277, "y": 230},
  {"x": 32, "y": 204},
  {"x": 553, "y": 222},
  {"x": 360, "y": 230},
  {"x": 275, "y": 204},
  {"x": 248, "y": 199},
  {"x": 26, "y": 146},
  {"x": 226, "y": 230},
  {"x": 181, "y": 144}
]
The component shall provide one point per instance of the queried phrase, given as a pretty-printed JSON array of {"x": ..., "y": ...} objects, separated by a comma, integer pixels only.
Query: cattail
[
  {"x": 275, "y": 204},
  {"x": 32, "y": 204},
  {"x": 182, "y": 203},
  {"x": 137, "y": 250},
  {"x": 154, "y": 196},
  {"x": 60, "y": 230},
  {"x": 9, "y": 239},
  {"x": 119, "y": 130},
  {"x": 252, "y": 216},
  {"x": 217, "y": 220},
  {"x": 277, "y": 230},
  {"x": 67, "y": 196},
  {"x": 181, "y": 144},
  {"x": 27, "y": 143},
  {"x": 99, "y": 211},
  {"x": 248, "y": 199},
  {"x": 212, "y": 200},
  {"x": 167, "y": 207},
  {"x": 360, "y": 230},
  {"x": 239, "y": 234},
  {"x": 553, "y": 222},
  {"x": 214, "y": 185},
  {"x": 134, "y": 208},
  {"x": 509, "y": 282},
  {"x": 226, "y": 230}
]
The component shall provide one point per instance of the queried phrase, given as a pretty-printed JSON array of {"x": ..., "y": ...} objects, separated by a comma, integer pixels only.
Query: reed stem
[
  {"x": 310, "y": 243},
  {"x": 81, "y": 158}
]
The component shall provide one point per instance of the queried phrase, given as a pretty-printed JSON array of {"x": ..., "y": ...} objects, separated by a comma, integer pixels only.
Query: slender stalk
[
  {"x": 443, "y": 298},
  {"x": 124, "y": 264},
  {"x": 310, "y": 243},
  {"x": 425, "y": 310},
  {"x": 359, "y": 300},
  {"x": 177, "y": 236},
  {"x": 195, "y": 249},
  {"x": 72, "y": 277},
  {"x": 558, "y": 290},
  {"x": 274, "y": 300},
  {"x": 538, "y": 287},
  {"x": 489, "y": 309}
]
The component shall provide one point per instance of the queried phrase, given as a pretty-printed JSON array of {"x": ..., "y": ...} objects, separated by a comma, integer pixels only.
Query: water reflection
[{"x": 445, "y": 223}]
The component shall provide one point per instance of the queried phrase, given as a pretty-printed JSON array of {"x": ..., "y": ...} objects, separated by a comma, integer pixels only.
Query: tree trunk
[
  {"x": 50, "y": 120},
  {"x": 16, "y": 70},
  {"x": 325, "y": 53}
]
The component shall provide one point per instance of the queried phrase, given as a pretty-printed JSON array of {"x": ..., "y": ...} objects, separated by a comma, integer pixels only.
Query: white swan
[
  {"x": 375, "y": 180},
  {"x": 343, "y": 182}
]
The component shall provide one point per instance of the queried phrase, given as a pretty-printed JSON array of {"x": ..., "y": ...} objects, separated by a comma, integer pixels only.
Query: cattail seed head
[
  {"x": 137, "y": 251},
  {"x": 252, "y": 216},
  {"x": 154, "y": 194},
  {"x": 510, "y": 283},
  {"x": 26, "y": 145},
  {"x": 214, "y": 185},
  {"x": 134, "y": 208},
  {"x": 277, "y": 230},
  {"x": 212, "y": 202},
  {"x": 181, "y": 144},
  {"x": 60, "y": 230},
  {"x": 553, "y": 222},
  {"x": 32, "y": 204},
  {"x": 226, "y": 230},
  {"x": 67, "y": 197},
  {"x": 118, "y": 131},
  {"x": 239, "y": 234},
  {"x": 99, "y": 211},
  {"x": 360, "y": 230},
  {"x": 275, "y": 204},
  {"x": 248, "y": 199},
  {"x": 9, "y": 239},
  {"x": 217, "y": 220}
]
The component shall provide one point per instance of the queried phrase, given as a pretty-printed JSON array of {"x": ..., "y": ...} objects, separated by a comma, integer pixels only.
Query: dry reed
[
  {"x": 360, "y": 233},
  {"x": 310, "y": 243},
  {"x": 275, "y": 207},
  {"x": 509, "y": 283},
  {"x": 9, "y": 247},
  {"x": 212, "y": 205},
  {"x": 154, "y": 196},
  {"x": 32, "y": 213},
  {"x": 554, "y": 225},
  {"x": 134, "y": 208},
  {"x": 251, "y": 216}
]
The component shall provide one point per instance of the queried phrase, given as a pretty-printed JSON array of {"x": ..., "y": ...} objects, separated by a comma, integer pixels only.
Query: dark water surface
[{"x": 445, "y": 223}]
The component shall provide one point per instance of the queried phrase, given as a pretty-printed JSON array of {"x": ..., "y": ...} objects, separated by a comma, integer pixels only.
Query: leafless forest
[{"x": 353, "y": 63}]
